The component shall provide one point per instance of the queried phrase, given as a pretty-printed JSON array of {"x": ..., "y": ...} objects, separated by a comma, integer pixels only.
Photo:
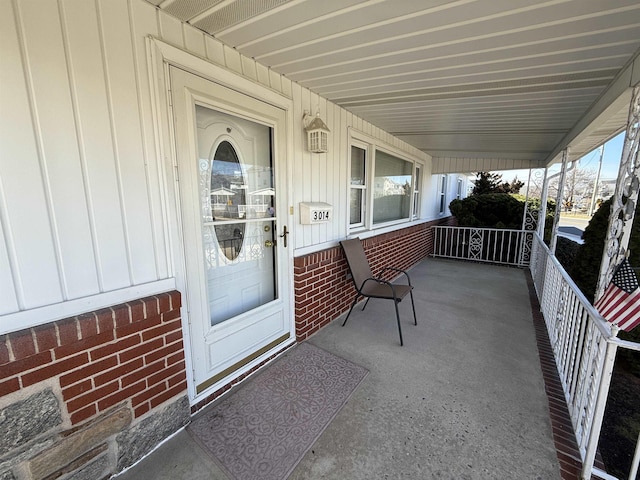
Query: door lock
[{"x": 268, "y": 243}]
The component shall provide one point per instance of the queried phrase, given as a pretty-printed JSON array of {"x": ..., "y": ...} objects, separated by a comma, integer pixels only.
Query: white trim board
[{"x": 14, "y": 322}]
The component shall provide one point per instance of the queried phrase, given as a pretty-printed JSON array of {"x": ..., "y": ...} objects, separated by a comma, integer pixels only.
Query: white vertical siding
[
  {"x": 95, "y": 141},
  {"x": 153, "y": 256},
  {"x": 28, "y": 242},
  {"x": 83, "y": 193},
  {"x": 63, "y": 173},
  {"x": 129, "y": 155},
  {"x": 8, "y": 297}
]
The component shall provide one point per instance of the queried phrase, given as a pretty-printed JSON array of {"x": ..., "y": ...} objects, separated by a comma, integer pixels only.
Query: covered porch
[
  {"x": 464, "y": 398},
  {"x": 98, "y": 269}
]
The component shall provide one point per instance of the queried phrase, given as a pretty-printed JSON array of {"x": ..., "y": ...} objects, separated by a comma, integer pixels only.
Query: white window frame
[
  {"x": 371, "y": 146},
  {"x": 417, "y": 180},
  {"x": 442, "y": 195},
  {"x": 459, "y": 188},
  {"x": 364, "y": 187}
]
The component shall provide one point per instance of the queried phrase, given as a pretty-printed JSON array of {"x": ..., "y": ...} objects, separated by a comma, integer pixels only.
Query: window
[
  {"x": 416, "y": 194},
  {"x": 443, "y": 193},
  {"x": 384, "y": 184},
  {"x": 357, "y": 187},
  {"x": 459, "y": 191},
  {"x": 391, "y": 188}
]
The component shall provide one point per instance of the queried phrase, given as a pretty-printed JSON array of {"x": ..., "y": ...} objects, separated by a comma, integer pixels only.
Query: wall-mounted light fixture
[{"x": 317, "y": 133}]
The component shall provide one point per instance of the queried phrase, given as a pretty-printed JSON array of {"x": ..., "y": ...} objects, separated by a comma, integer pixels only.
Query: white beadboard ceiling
[{"x": 514, "y": 80}]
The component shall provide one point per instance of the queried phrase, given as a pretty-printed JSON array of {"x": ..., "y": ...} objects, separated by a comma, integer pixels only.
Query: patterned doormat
[{"x": 265, "y": 428}]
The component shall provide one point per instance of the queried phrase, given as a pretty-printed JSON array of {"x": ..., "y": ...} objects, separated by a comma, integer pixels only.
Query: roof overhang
[{"x": 475, "y": 84}]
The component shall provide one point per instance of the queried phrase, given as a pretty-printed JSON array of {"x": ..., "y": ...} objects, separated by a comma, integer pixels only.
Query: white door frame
[{"x": 161, "y": 55}]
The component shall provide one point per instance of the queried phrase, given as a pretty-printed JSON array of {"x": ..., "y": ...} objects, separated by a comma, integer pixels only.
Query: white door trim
[{"x": 160, "y": 56}]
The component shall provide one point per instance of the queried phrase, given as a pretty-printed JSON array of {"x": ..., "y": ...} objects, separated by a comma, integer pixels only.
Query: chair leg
[
  {"x": 415, "y": 320},
  {"x": 352, "y": 305},
  {"x": 398, "y": 319},
  {"x": 366, "y": 303}
]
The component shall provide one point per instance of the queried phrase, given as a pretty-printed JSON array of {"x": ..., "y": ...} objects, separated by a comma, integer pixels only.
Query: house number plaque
[{"x": 315, "y": 212}]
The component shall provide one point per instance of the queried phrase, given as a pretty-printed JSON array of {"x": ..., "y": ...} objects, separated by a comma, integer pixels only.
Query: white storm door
[{"x": 230, "y": 151}]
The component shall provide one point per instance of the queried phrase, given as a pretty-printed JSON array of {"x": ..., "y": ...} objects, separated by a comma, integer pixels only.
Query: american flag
[{"x": 620, "y": 303}]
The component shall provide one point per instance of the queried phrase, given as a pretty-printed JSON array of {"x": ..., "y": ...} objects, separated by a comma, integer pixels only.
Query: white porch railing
[
  {"x": 491, "y": 245},
  {"x": 583, "y": 343},
  {"x": 585, "y": 349}
]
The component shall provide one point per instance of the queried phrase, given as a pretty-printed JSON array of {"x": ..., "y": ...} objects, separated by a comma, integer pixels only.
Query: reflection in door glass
[
  {"x": 237, "y": 198},
  {"x": 227, "y": 194}
]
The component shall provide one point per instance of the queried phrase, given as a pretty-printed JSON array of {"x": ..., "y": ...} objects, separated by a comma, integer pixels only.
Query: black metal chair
[{"x": 369, "y": 286}]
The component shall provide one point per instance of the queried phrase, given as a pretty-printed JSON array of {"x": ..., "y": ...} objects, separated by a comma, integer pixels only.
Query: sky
[{"x": 610, "y": 162}]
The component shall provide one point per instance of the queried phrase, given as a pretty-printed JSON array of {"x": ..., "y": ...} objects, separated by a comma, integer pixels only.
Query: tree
[
  {"x": 578, "y": 188},
  {"x": 487, "y": 182}
]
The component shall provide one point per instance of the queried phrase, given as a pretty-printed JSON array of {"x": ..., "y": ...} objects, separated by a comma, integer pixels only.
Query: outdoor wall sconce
[{"x": 317, "y": 133}]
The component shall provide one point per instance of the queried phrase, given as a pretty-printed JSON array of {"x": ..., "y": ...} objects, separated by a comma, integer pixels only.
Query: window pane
[
  {"x": 391, "y": 188},
  {"x": 355, "y": 206},
  {"x": 416, "y": 194},
  {"x": 443, "y": 192},
  {"x": 357, "y": 166}
]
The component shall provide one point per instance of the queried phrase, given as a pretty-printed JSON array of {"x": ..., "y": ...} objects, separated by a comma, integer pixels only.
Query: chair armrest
[{"x": 397, "y": 270}]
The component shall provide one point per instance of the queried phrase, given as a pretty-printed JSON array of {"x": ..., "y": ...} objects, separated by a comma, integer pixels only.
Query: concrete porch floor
[{"x": 464, "y": 398}]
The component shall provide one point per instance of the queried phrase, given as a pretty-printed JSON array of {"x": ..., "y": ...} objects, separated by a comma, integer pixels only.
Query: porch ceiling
[{"x": 470, "y": 82}]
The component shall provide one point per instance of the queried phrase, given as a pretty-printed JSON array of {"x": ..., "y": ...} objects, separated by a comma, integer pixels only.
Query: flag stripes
[{"x": 620, "y": 303}]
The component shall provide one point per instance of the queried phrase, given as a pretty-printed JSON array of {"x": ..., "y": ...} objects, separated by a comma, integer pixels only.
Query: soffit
[{"x": 457, "y": 79}]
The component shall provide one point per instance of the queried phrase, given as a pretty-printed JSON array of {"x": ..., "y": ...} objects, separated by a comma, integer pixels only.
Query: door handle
[
  {"x": 268, "y": 243},
  {"x": 284, "y": 236}
]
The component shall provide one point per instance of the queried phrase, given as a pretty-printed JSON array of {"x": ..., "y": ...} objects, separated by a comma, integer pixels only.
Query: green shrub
[
  {"x": 498, "y": 210},
  {"x": 586, "y": 267},
  {"x": 490, "y": 210},
  {"x": 566, "y": 252}
]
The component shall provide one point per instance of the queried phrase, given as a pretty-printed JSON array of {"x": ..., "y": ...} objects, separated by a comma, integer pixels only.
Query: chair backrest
[{"x": 357, "y": 261}]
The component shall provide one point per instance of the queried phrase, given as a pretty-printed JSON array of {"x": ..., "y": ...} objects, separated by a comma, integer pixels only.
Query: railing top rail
[
  {"x": 449, "y": 227},
  {"x": 599, "y": 321},
  {"x": 627, "y": 344}
]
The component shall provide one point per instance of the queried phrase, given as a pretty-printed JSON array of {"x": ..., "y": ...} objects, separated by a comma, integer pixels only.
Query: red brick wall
[
  {"x": 132, "y": 351},
  {"x": 322, "y": 290}
]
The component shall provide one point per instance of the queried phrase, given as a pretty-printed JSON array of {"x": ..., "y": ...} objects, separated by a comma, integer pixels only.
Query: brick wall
[
  {"x": 98, "y": 372},
  {"x": 132, "y": 351},
  {"x": 322, "y": 289}
]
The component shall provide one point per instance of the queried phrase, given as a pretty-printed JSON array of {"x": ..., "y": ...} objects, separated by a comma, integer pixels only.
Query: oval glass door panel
[
  {"x": 238, "y": 224},
  {"x": 227, "y": 194}
]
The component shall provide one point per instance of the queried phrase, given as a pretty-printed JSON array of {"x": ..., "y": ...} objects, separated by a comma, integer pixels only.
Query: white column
[
  {"x": 542, "y": 215},
  {"x": 556, "y": 218}
]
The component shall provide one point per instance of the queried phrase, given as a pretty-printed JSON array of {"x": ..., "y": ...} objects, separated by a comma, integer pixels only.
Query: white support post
[
  {"x": 527, "y": 215},
  {"x": 531, "y": 219},
  {"x": 623, "y": 206},
  {"x": 526, "y": 202},
  {"x": 542, "y": 216},
  {"x": 556, "y": 218}
]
